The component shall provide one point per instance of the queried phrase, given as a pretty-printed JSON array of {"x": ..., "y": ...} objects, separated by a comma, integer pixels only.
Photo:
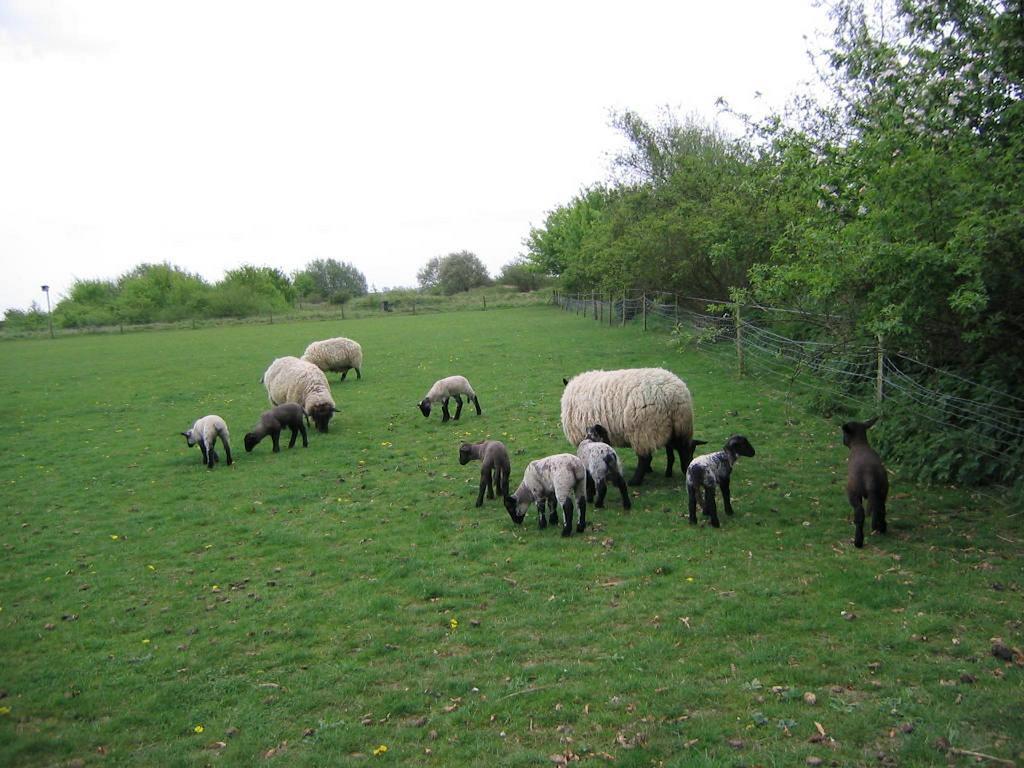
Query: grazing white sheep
[
  {"x": 339, "y": 355},
  {"x": 557, "y": 480},
  {"x": 291, "y": 380},
  {"x": 204, "y": 433},
  {"x": 711, "y": 470},
  {"x": 645, "y": 408},
  {"x": 603, "y": 464},
  {"x": 443, "y": 389}
]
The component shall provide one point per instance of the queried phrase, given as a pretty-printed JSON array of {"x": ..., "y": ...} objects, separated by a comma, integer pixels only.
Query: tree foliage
[
  {"x": 330, "y": 280},
  {"x": 454, "y": 273}
]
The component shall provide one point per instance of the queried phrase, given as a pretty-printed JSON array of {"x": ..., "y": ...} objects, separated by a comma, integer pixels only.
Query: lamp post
[{"x": 49, "y": 315}]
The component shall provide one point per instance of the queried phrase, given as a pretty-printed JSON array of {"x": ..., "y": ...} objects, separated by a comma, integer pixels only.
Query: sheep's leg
[
  {"x": 642, "y": 467},
  {"x": 542, "y": 521},
  {"x": 344, "y": 374},
  {"x": 483, "y": 485},
  {"x": 444, "y": 410},
  {"x": 293, "y": 438},
  {"x": 590, "y": 486},
  {"x": 709, "y": 506},
  {"x": 877, "y": 504},
  {"x": 567, "y": 517},
  {"x": 275, "y": 438},
  {"x": 207, "y": 459},
  {"x": 552, "y": 510},
  {"x": 503, "y": 481},
  {"x": 489, "y": 473},
  {"x": 620, "y": 483},
  {"x": 359, "y": 374},
  {"x": 858, "y": 520},
  {"x": 692, "y": 493},
  {"x": 726, "y": 496},
  {"x": 602, "y": 490},
  {"x": 476, "y": 402},
  {"x": 581, "y": 526},
  {"x": 670, "y": 459},
  {"x": 458, "y": 406}
]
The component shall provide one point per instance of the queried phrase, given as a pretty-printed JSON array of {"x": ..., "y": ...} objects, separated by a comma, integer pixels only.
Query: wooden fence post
[
  {"x": 644, "y": 300},
  {"x": 739, "y": 337}
]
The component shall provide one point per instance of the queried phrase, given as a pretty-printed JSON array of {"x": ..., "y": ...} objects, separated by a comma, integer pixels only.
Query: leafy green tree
[
  {"x": 88, "y": 303},
  {"x": 453, "y": 273},
  {"x": 250, "y": 290},
  {"x": 158, "y": 293},
  {"x": 522, "y": 274},
  {"x": 330, "y": 280},
  {"x": 33, "y": 319}
]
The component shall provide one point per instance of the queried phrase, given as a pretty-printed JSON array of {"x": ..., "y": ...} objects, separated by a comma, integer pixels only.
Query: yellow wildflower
[
  {"x": 454, "y": 624},
  {"x": 380, "y": 750},
  {"x": 199, "y": 729}
]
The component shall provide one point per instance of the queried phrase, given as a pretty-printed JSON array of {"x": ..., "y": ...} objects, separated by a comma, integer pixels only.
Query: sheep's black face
[
  {"x": 512, "y": 507},
  {"x": 464, "y": 456},
  {"x": 598, "y": 434},
  {"x": 250, "y": 442},
  {"x": 425, "y": 407},
  {"x": 321, "y": 416},
  {"x": 739, "y": 445}
]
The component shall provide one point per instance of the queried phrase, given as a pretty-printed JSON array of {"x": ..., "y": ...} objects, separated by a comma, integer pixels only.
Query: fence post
[
  {"x": 485, "y": 303},
  {"x": 880, "y": 375},
  {"x": 623, "y": 310},
  {"x": 644, "y": 300},
  {"x": 739, "y": 337},
  {"x": 675, "y": 313}
]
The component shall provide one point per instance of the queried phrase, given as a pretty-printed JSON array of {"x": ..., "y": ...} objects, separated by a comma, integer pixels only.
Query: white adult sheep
[
  {"x": 645, "y": 408},
  {"x": 339, "y": 355},
  {"x": 204, "y": 433},
  {"x": 443, "y": 389},
  {"x": 556, "y": 480},
  {"x": 291, "y": 380}
]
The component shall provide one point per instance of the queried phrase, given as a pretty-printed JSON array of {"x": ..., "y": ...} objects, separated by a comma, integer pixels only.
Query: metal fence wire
[{"x": 852, "y": 371}]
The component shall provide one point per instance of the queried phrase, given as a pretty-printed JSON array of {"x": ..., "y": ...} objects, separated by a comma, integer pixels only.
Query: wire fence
[{"x": 863, "y": 375}]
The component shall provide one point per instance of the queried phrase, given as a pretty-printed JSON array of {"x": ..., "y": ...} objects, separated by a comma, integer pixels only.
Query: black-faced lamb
[
  {"x": 603, "y": 465},
  {"x": 286, "y": 415},
  {"x": 866, "y": 478},
  {"x": 204, "y": 433},
  {"x": 443, "y": 389},
  {"x": 711, "y": 470},
  {"x": 556, "y": 480},
  {"x": 339, "y": 355},
  {"x": 495, "y": 469},
  {"x": 646, "y": 408},
  {"x": 291, "y": 380}
]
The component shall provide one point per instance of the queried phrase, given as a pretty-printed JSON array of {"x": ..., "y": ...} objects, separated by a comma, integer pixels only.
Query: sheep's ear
[
  {"x": 184, "y": 434},
  {"x": 870, "y": 422},
  {"x": 565, "y": 381},
  {"x": 335, "y": 410},
  {"x": 699, "y": 442}
]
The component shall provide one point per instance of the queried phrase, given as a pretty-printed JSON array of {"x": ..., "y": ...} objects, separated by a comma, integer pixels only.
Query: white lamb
[
  {"x": 603, "y": 464},
  {"x": 204, "y": 433},
  {"x": 443, "y": 389},
  {"x": 557, "y": 480},
  {"x": 291, "y": 380},
  {"x": 339, "y": 355},
  {"x": 645, "y": 408}
]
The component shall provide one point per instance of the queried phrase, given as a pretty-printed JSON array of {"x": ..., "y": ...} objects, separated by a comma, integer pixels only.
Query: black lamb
[{"x": 279, "y": 417}]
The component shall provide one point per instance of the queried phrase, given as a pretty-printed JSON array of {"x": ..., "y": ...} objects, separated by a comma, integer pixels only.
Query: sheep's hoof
[
  {"x": 479, "y": 504},
  {"x": 581, "y": 527},
  {"x": 542, "y": 524},
  {"x": 715, "y": 524},
  {"x": 627, "y": 505},
  {"x": 693, "y": 520},
  {"x": 567, "y": 532}
]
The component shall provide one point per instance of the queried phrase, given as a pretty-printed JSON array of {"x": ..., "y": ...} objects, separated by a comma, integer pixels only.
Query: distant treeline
[
  {"x": 165, "y": 293},
  {"x": 893, "y": 208}
]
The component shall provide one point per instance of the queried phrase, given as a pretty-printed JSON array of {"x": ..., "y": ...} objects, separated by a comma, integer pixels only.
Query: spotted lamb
[
  {"x": 603, "y": 464},
  {"x": 714, "y": 469},
  {"x": 556, "y": 480}
]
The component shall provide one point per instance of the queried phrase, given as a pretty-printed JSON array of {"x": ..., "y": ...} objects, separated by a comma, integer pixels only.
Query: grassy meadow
[{"x": 347, "y": 603}]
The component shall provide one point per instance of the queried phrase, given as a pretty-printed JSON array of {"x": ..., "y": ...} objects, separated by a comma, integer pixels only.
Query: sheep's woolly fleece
[
  {"x": 562, "y": 476},
  {"x": 207, "y": 429},
  {"x": 449, "y": 387},
  {"x": 595, "y": 455},
  {"x": 640, "y": 407},
  {"x": 337, "y": 354},
  {"x": 291, "y": 380}
]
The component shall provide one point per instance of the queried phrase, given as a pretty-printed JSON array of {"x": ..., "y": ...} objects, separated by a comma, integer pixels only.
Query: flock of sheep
[{"x": 644, "y": 408}]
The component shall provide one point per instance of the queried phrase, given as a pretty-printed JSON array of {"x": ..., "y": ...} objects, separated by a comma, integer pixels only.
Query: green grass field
[{"x": 317, "y": 606}]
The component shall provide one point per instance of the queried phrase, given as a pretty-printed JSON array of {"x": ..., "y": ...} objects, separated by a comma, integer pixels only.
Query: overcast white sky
[{"x": 218, "y": 133}]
